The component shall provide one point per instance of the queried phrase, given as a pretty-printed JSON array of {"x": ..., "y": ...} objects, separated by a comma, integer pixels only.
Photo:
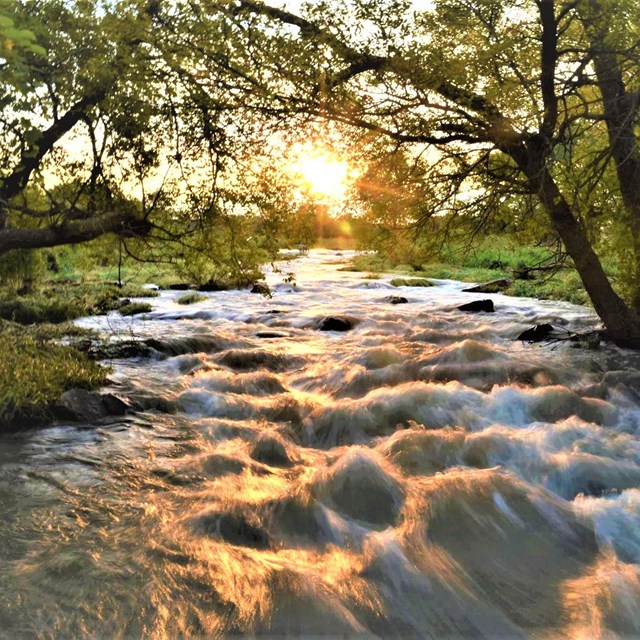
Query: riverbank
[
  {"x": 39, "y": 355},
  {"x": 34, "y": 326},
  {"x": 542, "y": 284}
]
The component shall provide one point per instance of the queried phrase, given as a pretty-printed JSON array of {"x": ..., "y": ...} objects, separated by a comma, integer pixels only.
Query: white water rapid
[{"x": 421, "y": 475}]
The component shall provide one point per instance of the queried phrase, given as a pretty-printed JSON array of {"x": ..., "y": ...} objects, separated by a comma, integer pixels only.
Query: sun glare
[{"x": 322, "y": 174}]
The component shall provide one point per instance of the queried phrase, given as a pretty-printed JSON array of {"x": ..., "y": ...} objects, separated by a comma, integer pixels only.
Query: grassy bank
[
  {"x": 495, "y": 258},
  {"x": 35, "y": 370},
  {"x": 60, "y": 302}
]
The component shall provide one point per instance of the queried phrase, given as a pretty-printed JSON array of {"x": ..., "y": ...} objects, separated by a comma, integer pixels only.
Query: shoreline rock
[
  {"x": 492, "y": 286},
  {"x": 80, "y": 405}
]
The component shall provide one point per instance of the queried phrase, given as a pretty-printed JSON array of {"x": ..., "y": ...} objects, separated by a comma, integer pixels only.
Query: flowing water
[{"x": 422, "y": 475}]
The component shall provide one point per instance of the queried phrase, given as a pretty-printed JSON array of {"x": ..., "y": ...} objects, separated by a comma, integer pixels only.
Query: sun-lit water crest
[{"x": 422, "y": 475}]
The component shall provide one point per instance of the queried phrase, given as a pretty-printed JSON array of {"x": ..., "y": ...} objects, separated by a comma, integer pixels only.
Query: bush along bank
[
  {"x": 35, "y": 372},
  {"x": 563, "y": 284}
]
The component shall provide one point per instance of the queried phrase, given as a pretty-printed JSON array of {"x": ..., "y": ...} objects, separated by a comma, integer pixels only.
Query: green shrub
[
  {"x": 562, "y": 286},
  {"x": 21, "y": 268},
  {"x": 371, "y": 262},
  {"x": 190, "y": 297},
  {"x": 32, "y": 311},
  {"x": 134, "y": 308},
  {"x": 64, "y": 302},
  {"x": 34, "y": 374}
]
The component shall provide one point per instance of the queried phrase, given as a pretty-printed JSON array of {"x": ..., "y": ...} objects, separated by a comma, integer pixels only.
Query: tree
[
  {"x": 100, "y": 125},
  {"x": 47, "y": 95},
  {"x": 509, "y": 94}
]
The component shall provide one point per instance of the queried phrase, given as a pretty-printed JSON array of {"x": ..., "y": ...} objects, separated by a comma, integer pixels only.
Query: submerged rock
[
  {"x": 396, "y": 300},
  {"x": 235, "y": 529},
  {"x": 537, "y": 334},
  {"x": 630, "y": 379},
  {"x": 152, "y": 347},
  {"x": 360, "y": 487},
  {"x": 493, "y": 286},
  {"x": 335, "y": 323},
  {"x": 125, "y": 349},
  {"x": 251, "y": 359},
  {"x": 478, "y": 306},
  {"x": 80, "y": 405}
]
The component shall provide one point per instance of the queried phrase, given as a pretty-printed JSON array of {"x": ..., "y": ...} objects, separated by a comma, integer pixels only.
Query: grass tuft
[
  {"x": 411, "y": 282},
  {"x": 35, "y": 372},
  {"x": 190, "y": 297},
  {"x": 134, "y": 308}
]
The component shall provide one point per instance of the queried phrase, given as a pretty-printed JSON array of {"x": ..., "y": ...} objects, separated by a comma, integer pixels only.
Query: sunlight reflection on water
[{"x": 421, "y": 474}]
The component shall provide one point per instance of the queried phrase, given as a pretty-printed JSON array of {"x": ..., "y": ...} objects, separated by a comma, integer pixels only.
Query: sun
[{"x": 322, "y": 174}]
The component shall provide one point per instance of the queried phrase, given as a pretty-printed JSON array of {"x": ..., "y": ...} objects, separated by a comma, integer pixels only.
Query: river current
[{"x": 421, "y": 475}]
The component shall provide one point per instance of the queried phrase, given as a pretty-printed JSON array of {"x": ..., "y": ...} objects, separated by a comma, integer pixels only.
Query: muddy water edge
[{"x": 420, "y": 475}]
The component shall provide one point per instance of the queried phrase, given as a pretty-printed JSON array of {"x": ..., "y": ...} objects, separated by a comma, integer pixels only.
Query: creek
[{"x": 421, "y": 475}]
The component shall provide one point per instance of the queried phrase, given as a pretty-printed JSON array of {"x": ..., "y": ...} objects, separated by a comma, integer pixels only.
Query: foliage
[
  {"x": 21, "y": 269},
  {"x": 411, "y": 282},
  {"x": 32, "y": 311},
  {"x": 472, "y": 115},
  {"x": 190, "y": 298},
  {"x": 227, "y": 254},
  {"x": 134, "y": 308},
  {"x": 523, "y": 111},
  {"x": 61, "y": 303}
]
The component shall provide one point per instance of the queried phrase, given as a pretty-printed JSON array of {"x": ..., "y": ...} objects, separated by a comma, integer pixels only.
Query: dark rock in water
[
  {"x": 235, "y": 529},
  {"x": 334, "y": 323},
  {"x": 396, "y": 300},
  {"x": 79, "y": 405},
  {"x": 113, "y": 405},
  {"x": 262, "y": 288},
  {"x": 270, "y": 450},
  {"x": 478, "y": 306},
  {"x": 271, "y": 334},
  {"x": 537, "y": 334},
  {"x": 180, "y": 286},
  {"x": 124, "y": 349},
  {"x": 493, "y": 286}
]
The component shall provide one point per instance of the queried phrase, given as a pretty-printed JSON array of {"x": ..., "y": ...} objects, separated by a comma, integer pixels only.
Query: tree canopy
[
  {"x": 536, "y": 100},
  {"x": 127, "y": 116}
]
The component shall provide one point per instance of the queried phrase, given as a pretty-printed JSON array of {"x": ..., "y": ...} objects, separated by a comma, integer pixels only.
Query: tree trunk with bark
[{"x": 622, "y": 322}]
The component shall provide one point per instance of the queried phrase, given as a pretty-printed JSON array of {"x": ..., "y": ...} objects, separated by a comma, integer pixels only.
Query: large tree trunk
[
  {"x": 620, "y": 108},
  {"x": 621, "y": 322}
]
